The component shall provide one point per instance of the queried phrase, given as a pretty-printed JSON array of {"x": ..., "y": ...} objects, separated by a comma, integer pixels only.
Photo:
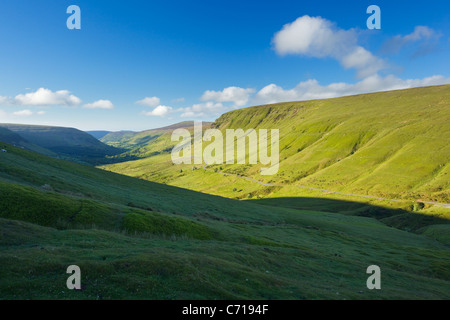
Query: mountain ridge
[{"x": 64, "y": 142}]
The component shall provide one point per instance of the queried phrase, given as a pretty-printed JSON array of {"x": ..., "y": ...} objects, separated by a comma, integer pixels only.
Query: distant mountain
[
  {"x": 148, "y": 142},
  {"x": 98, "y": 134},
  {"x": 115, "y": 138},
  {"x": 66, "y": 143},
  {"x": 10, "y": 137},
  {"x": 14, "y": 139}
]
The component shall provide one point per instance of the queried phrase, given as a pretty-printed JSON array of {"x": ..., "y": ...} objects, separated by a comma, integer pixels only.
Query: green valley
[
  {"x": 274, "y": 237},
  {"x": 388, "y": 145},
  {"x": 140, "y": 239},
  {"x": 224, "y": 159}
]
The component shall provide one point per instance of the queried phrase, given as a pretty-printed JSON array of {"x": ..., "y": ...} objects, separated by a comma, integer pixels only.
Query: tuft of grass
[
  {"x": 154, "y": 223},
  {"x": 52, "y": 209}
]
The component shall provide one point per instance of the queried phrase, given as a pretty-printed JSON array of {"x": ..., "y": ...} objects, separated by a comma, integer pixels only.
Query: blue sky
[{"x": 136, "y": 65}]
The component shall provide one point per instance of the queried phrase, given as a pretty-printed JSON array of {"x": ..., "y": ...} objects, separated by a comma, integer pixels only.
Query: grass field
[
  {"x": 138, "y": 239},
  {"x": 135, "y": 238},
  {"x": 392, "y": 145}
]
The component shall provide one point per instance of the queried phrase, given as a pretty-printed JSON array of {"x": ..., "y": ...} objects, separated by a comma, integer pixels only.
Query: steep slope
[
  {"x": 139, "y": 239},
  {"x": 393, "y": 145},
  {"x": 67, "y": 143}
]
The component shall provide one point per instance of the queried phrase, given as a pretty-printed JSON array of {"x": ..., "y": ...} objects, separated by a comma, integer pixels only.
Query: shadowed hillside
[
  {"x": 14, "y": 139},
  {"x": 66, "y": 143},
  {"x": 139, "y": 239}
]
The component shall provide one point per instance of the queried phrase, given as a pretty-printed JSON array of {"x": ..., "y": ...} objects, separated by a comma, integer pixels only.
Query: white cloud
[
  {"x": 311, "y": 89},
  {"x": 362, "y": 60},
  {"x": 239, "y": 96},
  {"x": 424, "y": 36},
  {"x": 41, "y": 113},
  {"x": 193, "y": 115},
  {"x": 150, "y": 101},
  {"x": 313, "y": 36},
  {"x": 179, "y": 100},
  {"x": 203, "y": 110},
  {"x": 320, "y": 38},
  {"x": 43, "y": 97},
  {"x": 159, "y": 111},
  {"x": 23, "y": 113},
  {"x": 5, "y": 100},
  {"x": 99, "y": 104},
  {"x": 419, "y": 33},
  {"x": 2, "y": 114}
]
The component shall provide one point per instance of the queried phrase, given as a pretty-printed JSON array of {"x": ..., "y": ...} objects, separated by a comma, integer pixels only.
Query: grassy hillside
[
  {"x": 139, "y": 239},
  {"x": 115, "y": 138},
  {"x": 393, "y": 145},
  {"x": 147, "y": 143},
  {"x": 66, "y": 143},
  {"x": 130, "y": 140}
]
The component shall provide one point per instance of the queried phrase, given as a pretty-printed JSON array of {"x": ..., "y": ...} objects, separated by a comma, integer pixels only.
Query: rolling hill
[
  {"x": 138, "y": 239},
  {"x": 66, "y": 143},
  {"x": 146, "y": 143},
  {"x": 388, "y": 145}
]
